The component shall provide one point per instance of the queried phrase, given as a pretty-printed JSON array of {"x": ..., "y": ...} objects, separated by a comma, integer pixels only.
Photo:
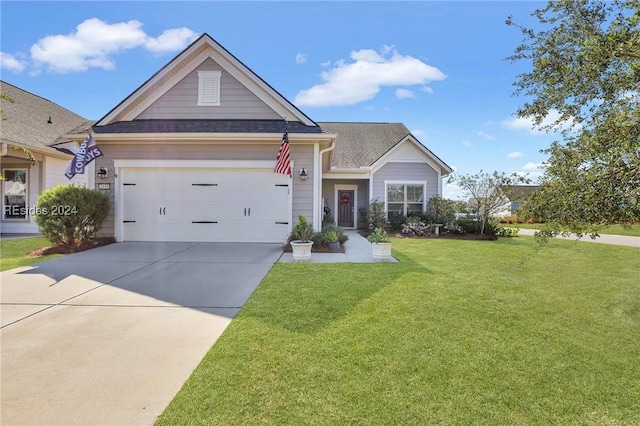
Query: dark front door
[{"x": 345, "y": 208}]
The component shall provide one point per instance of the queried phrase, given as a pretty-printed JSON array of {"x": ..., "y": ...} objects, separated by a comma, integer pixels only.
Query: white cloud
[
  {"x": 452, "y": 191},
  {"x": 420, "y": 134},
  {"x": 301, "y": 58},
  {"x": 532, "y": 170},
  {"x": 11, "y": 63},
  {"x": 527, "y": 123},
  {"x": 404, "y": 94},
  {"x": 170, "y": 40},
  {"x": 485, "y": 136},
  {"x": 516, "y": 154},
  {"x": 349, "y": 83},
  {"x": 94, "y": 42},
  {"x": 532, "y": 167},
  {"x": 467, "y": 143}
]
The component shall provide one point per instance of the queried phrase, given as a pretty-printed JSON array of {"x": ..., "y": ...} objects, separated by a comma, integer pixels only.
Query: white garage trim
[
  {"x": 216, "y": 166},
  {"x": 203, "y": 164}
]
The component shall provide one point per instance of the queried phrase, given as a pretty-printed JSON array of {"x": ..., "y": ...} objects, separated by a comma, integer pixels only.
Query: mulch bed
[
  {"x": 316, "y": 249},
  {"x": 449, "y": 236},
  {"x": 87, "y": 245}
]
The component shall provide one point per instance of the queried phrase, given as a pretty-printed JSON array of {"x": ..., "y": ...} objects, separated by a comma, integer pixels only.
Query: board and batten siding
[
  {"x": 403, "y": 171},
  {"x": 236, "y": 101},
  {"x": 301, "y": 154},
  {"x": 54, "y": 169}
]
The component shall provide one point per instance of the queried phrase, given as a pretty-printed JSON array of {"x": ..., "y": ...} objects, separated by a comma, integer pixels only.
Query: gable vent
[{"x": 209, "y": 88}]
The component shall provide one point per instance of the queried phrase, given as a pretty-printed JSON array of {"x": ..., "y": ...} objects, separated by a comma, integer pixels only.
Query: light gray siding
[
  {"x": 236, "y": 101},
  {"x": 401, "y": 171},
  {"x": 301, "y": 154}
]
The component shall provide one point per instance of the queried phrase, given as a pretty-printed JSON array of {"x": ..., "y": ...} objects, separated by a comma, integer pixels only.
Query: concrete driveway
[{"x": 108, "y": 336}]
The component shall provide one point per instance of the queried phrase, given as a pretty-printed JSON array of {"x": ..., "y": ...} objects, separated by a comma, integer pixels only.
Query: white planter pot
[
  {"x": 381, "y": 251},
  {"x": 301, "y": 251}
]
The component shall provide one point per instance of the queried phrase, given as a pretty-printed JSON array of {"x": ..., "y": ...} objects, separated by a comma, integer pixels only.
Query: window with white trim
[
  {"x": 14, "y": 194},
  {"x": 405, "y": 199},
  {"x": 209, "y": 88}
]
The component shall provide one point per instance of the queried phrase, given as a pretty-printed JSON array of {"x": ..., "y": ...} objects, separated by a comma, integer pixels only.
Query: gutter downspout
[{"x": 320, "y": 211}]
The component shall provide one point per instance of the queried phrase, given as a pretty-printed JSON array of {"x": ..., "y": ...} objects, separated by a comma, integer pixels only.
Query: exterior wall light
[
  {"x": 303, "y": 174},
  {"x": 102, "y": 173}
]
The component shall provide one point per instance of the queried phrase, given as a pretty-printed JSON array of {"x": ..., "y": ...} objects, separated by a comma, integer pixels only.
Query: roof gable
[
  {"x": 204, "y": 52},
  {"x": 369, "y": 145},
  {"x": 409, "y": 149},
  {"x": 180, "y": 102},
  {"x": 360, "y": 144}
]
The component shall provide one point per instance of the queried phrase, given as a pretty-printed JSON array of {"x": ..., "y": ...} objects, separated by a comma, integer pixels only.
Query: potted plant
[
  {"x": 332, "y": 239},
  {"x": 380, "y": 244},
  {"x": 301, "y": 240}
]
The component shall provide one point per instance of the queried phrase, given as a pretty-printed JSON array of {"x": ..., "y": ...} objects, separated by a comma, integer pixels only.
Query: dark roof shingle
[
  {"x": 205, "y": 126},
  {"x": 361, "y": 144},
  {"x": 25, "y": 121}
]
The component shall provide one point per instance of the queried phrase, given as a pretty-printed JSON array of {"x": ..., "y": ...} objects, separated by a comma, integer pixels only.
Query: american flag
[{"x": 283, "y": 164}]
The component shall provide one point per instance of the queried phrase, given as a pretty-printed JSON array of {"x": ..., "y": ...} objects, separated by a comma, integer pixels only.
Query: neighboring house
[
  {"x": 190, "y": 156},
  {"x": 516, "y": 194},
  {"x": 31, "y": 123}
]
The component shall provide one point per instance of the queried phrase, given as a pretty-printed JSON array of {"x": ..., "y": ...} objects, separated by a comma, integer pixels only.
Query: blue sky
[{"x": 438, "y": 67}]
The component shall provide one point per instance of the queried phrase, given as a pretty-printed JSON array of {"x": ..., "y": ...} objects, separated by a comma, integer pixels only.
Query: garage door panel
[{"x": 181, "y": 204}]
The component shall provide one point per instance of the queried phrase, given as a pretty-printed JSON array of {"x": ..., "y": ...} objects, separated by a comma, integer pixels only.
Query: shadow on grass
[{"x": 306, "y": 298}]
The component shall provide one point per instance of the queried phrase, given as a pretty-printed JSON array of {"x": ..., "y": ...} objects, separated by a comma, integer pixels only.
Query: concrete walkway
[
  {"x": 357, "y": 250},
  {"x": 109, "y": 336},
  {"x": 619, "y": 240}
]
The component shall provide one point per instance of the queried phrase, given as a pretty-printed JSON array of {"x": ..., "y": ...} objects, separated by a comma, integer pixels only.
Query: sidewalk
[
  {"x": 356, "y": 250},
  {"x": 618, "y": 240}
]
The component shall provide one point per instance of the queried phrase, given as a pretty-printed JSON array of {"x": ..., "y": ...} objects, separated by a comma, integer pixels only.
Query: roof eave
[{"x": 205, "y": 137}]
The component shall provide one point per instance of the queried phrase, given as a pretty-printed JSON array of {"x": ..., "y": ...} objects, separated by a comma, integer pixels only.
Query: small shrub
[
  {"x": 469, "y": 226},
  {"x": 318, "y": 239},
  {"x": 453, "y": 229},
  {"x": 441, "y": 210},
  {"x": 379, "y": 235},
  {"x": 327, "y": 219},
  {"x": 512, "y": 219},
  {"x": 414, "y": 226},
  {"x": 396, "y": 221},
  {"x": 508, "y": 232},
  {"x": 491, "y": 227},
  {"x": 342, "y": 237},
  {"x": 71, "y": 215},
  {"x": 303, "y": 231},
  {"x": 376, "y": 216},
  {"x": 330, "y": 237}
]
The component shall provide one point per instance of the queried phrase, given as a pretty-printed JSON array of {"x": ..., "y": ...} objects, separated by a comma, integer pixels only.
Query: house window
[
  {"x": 405, "y": 199},
  {"x": 209, "y": 88},
  {"x": 14, "y": 194}
]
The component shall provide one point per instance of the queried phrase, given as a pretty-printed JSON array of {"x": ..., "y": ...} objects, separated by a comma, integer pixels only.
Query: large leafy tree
[{"x": 586, "y": 72}]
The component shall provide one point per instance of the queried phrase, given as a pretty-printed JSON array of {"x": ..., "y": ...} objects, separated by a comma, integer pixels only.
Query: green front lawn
[
  {"x": 13, "y": 253},
  {"x": 459, "y": 332},
  {"x": 631, "y": 231}
]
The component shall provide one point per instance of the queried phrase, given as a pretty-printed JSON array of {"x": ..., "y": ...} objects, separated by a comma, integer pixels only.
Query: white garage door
[{"x": 203, "y": 204}]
